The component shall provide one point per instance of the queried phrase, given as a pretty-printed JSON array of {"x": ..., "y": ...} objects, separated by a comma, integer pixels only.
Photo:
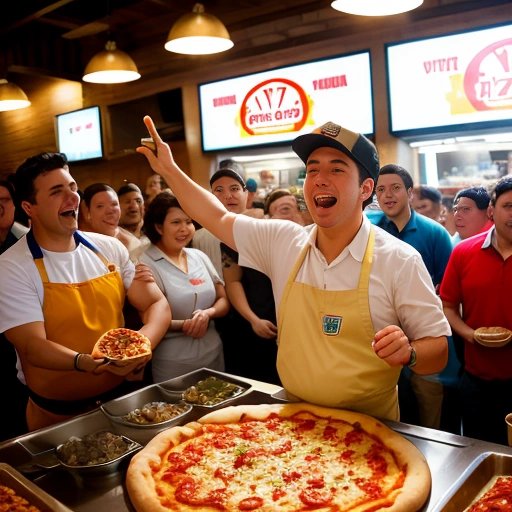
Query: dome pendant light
[
  {"x": 12, "y": 97},
  {"x": 198, "y": 33},
  {"x": 111, "y": 66},
  {"x": 375, "y": 7}
]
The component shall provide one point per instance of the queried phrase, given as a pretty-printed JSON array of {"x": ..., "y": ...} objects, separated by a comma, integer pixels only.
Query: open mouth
[
  {"x": 325, "y": 201},
  {"x": 69, "y": 213}
]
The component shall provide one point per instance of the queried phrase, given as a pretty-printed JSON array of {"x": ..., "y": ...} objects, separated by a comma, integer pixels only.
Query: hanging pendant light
[
  {"x": 375, "y": 7},
  {"x": 198, "y": 33},
  {"x": 111, "y": 66},
  {"x": 12, "y": 97}
]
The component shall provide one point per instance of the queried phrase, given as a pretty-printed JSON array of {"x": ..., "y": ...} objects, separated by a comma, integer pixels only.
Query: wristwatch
[{"x": 412, "y": 359}]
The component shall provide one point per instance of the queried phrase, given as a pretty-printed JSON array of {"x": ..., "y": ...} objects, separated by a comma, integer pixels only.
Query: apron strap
[{"x": 37, "y": 253}]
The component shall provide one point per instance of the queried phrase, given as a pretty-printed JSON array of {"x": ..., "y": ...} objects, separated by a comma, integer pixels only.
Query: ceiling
[{"x": 57, "y": 38}]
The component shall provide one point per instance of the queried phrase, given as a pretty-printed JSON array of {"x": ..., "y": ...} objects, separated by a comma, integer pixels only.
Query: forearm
[
  {"x": 431, "y": 354},
  {"x": 157, "y": 319},
  {"x": 457, "y": 323},
  {"x": 238, "y": 299},
  {"x": 219, "y": 309}
]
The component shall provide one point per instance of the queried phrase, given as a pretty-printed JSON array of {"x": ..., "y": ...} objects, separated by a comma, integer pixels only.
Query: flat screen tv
[
  {"x": 275, "y": 106},
  {"x": 79, "y": 134},
  {"x": 451, "y": 83}
]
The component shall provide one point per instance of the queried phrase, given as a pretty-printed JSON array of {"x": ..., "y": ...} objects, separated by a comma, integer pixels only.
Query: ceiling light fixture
[
  {"x": 12, "y": 97},
  {"x": 111, "y": 66},
  {"x": 198, "y": 33},
  {"x": 375, "y": 7}
]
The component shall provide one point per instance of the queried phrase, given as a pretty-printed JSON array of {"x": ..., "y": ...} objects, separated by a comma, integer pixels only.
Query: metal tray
[
  {"x": 175, "y": 387},
  {"x": 36, "y": 452},
  {"x": 471, "y": 483},
  {"x": 116, "y": 409},
  {"x": 28, "y": 490}
]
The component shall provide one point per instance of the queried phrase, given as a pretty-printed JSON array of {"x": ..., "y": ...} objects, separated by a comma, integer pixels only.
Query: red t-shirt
[{"x": 480, "y": 280}]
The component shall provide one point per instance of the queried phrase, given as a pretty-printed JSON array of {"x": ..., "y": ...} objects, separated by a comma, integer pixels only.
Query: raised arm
[{"x": 200, "y": 204}]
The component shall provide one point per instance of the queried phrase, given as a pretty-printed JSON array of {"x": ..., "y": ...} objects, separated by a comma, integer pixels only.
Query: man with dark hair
[
  {"x": 470, "y": 212},
  {"x": 394, "y": 191},
  {"x": 354, "y": 304},
  {"x": 476, "y": 293},
  {"x": 131, "y": 202},
  {"x": 60, "y": 290},
  {"x": 428, "y": 201}
]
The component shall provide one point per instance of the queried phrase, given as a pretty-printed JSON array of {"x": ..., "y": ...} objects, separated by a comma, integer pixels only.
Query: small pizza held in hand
[
  {"x": 279, "y": 458},
  {"x": 122, "y": 346}
]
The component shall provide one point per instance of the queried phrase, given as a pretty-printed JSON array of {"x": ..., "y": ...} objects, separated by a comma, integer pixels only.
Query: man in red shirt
[{"x": 476, "y": 293}]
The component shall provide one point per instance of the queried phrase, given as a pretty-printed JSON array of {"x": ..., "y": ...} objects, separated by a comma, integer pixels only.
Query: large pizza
[{"x": 279, "y": 458}]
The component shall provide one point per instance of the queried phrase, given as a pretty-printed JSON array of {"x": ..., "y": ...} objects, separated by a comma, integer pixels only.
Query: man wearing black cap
[{"x": 354, "y": 303}]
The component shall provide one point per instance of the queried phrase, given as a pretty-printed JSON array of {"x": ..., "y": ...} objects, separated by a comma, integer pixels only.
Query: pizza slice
[{"x": 279, "y": 458}]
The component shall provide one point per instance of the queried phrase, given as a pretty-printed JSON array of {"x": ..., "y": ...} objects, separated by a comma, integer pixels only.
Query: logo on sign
[
  {"x": 488, "y": 78},
  {"x": 277, "y": 105}
]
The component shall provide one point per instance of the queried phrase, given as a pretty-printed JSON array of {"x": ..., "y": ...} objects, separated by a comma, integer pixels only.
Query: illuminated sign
[
  {"x": 452, "y": 82},
  {"x": 276, "y": 106}
]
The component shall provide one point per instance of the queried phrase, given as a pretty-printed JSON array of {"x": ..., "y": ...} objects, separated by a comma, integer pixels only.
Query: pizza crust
[{"x": 409, "y": 498}]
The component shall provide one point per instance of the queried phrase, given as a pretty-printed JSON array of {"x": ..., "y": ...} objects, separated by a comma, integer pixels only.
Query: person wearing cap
[
  {"x": 394, "y": 191},
  {"x": 470, "y": 211},
  {"x": 354, "y": 304},
  {"x": 476, "y": 293},
  {"x": 252, "y": 318}
]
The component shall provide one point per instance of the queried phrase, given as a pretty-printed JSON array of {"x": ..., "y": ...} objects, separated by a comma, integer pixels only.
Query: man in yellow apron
[
  {"x": 60, "y": 290},
  {"x": 355, "y": 304}
]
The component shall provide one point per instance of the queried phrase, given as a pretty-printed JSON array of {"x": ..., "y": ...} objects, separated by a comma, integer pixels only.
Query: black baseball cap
[
  {"x": 332, "y": 135},
  {"x": 229, "y": 173}
]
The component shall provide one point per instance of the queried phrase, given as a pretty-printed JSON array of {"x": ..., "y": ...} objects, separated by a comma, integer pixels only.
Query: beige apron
[
  {"x": 75, "y": 315},
  {"x": 325, "y": 351}
]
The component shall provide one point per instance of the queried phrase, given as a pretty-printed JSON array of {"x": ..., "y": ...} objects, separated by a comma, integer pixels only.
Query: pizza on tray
[
  {"x": 279, "y": 458},
  {"x": 122, "y": 346}
]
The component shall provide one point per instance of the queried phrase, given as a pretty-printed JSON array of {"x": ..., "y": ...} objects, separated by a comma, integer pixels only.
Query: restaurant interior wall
[{"x": 30, "y": 130}]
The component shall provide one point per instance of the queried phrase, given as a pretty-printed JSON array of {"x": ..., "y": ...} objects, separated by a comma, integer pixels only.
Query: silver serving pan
[
  {"x": 475, "y": 479},
  {"x": 52, "y": 459},
  {"x": 177, "y": 386},
  {"x": 115, "y": 410},
  {"x": 23, "y": 487}
]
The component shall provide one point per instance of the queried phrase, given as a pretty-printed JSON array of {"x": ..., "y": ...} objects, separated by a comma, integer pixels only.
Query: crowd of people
[{"x": 363, "y": 292}]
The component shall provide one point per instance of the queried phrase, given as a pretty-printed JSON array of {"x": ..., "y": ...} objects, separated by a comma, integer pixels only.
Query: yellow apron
[
  {"x": 75, "y": 315},
  {"x": 325, "y": 353}
]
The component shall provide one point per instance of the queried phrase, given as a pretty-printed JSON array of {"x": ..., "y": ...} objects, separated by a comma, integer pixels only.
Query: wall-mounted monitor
[
  {"x": 451, "y": 83},
  {"x": 277, "y": 105},
  {"x": 79, "y": 134}
]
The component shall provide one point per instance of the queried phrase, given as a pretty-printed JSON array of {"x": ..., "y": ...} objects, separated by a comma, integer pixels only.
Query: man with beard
[
  {"x": 60, "y": 290},
  {"x": 354, "y": 303}
]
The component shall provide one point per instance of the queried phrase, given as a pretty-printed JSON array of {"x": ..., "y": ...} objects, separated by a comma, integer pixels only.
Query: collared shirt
[
  {"x": 400, "y": 290},
  {"x": 427, "y": 236}
]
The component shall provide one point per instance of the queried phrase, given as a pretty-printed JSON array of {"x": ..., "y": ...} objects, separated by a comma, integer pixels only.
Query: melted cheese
[{"x": 279, "y": 465}]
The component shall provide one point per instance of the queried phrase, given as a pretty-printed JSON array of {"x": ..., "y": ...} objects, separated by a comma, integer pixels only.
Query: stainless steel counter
[{"x": 452, "y": 459}]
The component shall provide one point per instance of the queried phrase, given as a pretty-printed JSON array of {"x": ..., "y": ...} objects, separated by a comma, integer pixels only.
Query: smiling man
[
  {"x": 394, "y": 192},
  {"x": 354, "y": 304},
  {"x": 60, "y": 290}
]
